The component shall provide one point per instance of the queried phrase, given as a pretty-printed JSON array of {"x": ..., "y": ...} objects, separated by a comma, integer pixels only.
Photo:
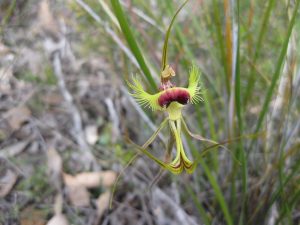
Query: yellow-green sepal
[
  {"x": 143, "y": 97},
  {"x": 194, "y": 87}
]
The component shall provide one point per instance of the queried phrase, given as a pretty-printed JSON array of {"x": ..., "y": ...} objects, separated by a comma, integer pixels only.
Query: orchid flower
[{"x": 172, "y": 100}]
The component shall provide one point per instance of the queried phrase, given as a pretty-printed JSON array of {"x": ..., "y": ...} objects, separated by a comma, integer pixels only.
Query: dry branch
[{"x": 77, "y": 132}]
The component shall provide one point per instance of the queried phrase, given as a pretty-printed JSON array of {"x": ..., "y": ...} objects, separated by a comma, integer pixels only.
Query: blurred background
[{"x": 66, "y": 112}]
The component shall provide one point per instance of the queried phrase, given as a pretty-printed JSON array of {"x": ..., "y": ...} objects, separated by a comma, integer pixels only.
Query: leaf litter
[{"x": 56, "y": 185}]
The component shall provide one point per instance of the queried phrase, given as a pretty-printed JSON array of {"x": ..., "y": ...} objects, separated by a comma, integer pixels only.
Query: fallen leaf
[
  {"x": 102, "y": 203},
  {"x": 7, "y": 181},
  {"x": 95, "y": 179},
  {"x": 6, "y": 73},
  {"x": 46, "y": 20},
  {"x": 58, "y": 219},
  {"x": 92, "y": 179},
  {"x": 17, "y": 116},
  {"x": 69, "y": 180},
  {"x": 30, "y": 215},
  {"x": 91, "y": 134},
  {"x": 78, "y": 195},
  {"x": 77, "y": 185},
  {"x": 52, "y": 99},
  {"x": 55, "y": 168},
  {"x": 14, "y": 149},
  {"x": 3, "y": 49},
  {"x": 58, "y": 203}
]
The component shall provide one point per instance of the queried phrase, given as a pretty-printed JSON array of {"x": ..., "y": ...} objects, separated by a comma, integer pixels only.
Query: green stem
[
  {"x": 263, "y": 29},
  {"x": 165, "y": 47},
  {"x": 147, "y": 143},
  {"x": 132, "y": 43}
]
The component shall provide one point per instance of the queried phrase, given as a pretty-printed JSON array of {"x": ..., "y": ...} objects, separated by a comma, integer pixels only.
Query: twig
[
  {"x": 181, "y": 216},
  {"x": 145, "y": 208},
  {"x": 114, "y": 119},
  {"x": 145, "y": 17},
  {"x": 77, "y": 133}
]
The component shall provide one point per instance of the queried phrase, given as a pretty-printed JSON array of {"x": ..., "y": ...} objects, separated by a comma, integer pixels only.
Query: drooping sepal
[{"x": 181, "y": 161}]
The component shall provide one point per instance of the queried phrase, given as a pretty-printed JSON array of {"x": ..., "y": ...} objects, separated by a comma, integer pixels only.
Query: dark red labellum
[{"x": 173, "y": 95}]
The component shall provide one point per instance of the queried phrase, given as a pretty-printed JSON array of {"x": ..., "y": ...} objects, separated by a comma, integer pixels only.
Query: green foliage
[
  {"x": 50, "y": 77},
  {"x": 125, "y": 156},
  {"x": 132, "y": 42},
  {"x": 36, "y": 185},
  {"x": 45, "y": 79}
]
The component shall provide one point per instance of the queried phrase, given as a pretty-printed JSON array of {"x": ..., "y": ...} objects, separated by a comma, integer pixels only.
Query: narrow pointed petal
[
  {"x": 143, "y": 150},
  {"x": 181, "y": 161}
]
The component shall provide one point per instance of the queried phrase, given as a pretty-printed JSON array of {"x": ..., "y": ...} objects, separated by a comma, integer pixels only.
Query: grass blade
[
  {"x": 132, "y": 42},
  {"x": 109, "y": 13},
  {"x": 217, "y": 191},
  {"x": 251, "y": 80},
  {"x": 238, "y": 106},
  {"x": 228, "y": 39},
  {"x": 202, "y": 212},
  {"x": 277, "y": 70},
  {"x": 217, "y": 22},
  {"x": 214, "y": 184}
]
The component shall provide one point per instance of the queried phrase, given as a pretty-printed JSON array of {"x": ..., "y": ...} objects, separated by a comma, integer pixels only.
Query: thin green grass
[
  {"x": 204, "y": 216},
  {"x": 262, "y": 32},
  {"x": 278, "y": 68},
  {"x": 132, "y": 42}
]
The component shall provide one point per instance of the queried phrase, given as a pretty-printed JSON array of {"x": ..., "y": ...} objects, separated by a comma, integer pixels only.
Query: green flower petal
[{"x": 181, "y": 161}]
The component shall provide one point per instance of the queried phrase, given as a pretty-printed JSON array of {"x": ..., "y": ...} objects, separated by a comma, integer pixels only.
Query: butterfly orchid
[{"x": 172, "y": 100}]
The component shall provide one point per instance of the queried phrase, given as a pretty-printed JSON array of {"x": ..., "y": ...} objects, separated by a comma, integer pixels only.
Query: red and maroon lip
[{"x": 173, "y": 95}]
